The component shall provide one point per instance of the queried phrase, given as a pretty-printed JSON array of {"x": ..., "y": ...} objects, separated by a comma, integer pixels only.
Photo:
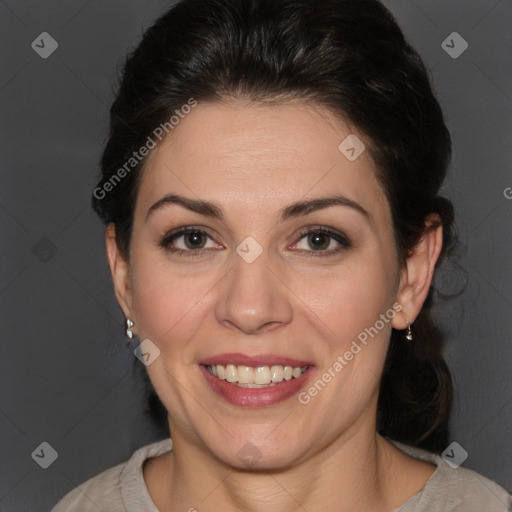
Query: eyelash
[
  {"x": 338, "y": 237},
  {"x": 342, "y": 240}
]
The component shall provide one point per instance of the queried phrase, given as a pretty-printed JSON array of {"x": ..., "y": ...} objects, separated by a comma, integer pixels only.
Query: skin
[{"x": 252, "y": 160}]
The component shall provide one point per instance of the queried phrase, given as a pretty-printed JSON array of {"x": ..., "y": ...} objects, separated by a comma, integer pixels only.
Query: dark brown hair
[{"x": 348, "y": 55}]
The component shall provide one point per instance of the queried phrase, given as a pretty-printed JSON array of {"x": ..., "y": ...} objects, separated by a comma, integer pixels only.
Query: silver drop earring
[
  {"x": 129, "y": 332},
  {"x": 408, "y": 334}
]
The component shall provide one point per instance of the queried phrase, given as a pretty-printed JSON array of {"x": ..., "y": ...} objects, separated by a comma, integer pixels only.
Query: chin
[{"x": 259, "y": 452}]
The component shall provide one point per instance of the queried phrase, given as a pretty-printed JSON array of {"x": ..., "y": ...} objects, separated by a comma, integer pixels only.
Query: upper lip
[{"x": 254, "y": 361}]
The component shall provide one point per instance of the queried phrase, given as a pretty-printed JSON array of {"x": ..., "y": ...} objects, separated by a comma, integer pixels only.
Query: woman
[{"x": 273, "y": 224}]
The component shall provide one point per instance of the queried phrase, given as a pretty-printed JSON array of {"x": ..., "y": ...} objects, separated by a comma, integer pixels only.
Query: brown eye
[
  {"x": 188, "y": 241},
  {"x": 322, "y": 241},
  {"x": 319, "y": 241},
  {"x": 194, "y": 240}
]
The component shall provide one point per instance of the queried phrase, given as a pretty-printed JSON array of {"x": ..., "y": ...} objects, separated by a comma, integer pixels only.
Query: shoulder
[
  {"x": 454, "y": 489},
  {"x": 100, "y": 492},
  {"x": 119, "y": 488}
]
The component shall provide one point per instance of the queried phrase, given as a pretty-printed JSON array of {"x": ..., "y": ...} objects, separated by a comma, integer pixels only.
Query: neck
[{"x": 353, "y": 473}]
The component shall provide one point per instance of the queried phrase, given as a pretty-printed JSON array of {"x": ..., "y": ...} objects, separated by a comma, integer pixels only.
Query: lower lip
[{"x": 256, "y": 397}]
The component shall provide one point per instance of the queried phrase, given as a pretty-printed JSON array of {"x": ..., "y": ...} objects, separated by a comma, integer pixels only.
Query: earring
[
  {"x": 408, "y": 334},
  {"x": 129, "y": 332}
]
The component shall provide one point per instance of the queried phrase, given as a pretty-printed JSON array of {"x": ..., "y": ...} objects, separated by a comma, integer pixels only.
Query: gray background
[{"x": 66, "y": 371}]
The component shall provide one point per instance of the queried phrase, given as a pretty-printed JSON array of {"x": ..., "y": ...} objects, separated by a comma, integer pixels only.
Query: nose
[{"x": 254, "y": 299}]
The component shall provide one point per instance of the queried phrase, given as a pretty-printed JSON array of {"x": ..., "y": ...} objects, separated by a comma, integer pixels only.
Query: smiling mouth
[{"x": 255, "y": 377}]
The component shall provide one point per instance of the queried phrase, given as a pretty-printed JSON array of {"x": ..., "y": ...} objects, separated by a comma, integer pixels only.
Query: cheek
[
  {"x": 169, "y": 306},
  {"x": 351, "y": 299}
]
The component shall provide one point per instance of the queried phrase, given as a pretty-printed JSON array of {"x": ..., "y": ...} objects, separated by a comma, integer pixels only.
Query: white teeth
[
  {"x": 231, "y": 373},
  {"x": 276, "y": 373},
  {"x": 261, "y": 376},
  {"x": 246, "y": 375},
  {"x": 252, "y": 385}
]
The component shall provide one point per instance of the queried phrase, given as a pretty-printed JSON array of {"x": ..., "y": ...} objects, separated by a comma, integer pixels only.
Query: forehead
[{"x": 248, "y": 154}]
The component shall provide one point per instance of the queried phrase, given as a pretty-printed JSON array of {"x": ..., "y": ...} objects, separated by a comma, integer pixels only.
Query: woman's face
[{"x": 268, "y": 276}]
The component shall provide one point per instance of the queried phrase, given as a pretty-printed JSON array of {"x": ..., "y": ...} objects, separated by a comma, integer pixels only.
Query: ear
[
  {"x": 119, "y": 269},
  {"x": 418, "y": 272}
]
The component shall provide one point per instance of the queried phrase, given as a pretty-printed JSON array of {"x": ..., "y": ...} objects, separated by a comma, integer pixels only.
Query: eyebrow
[
  {"x": 293, "y": 210},
  {"x": 205, "y": 208}
]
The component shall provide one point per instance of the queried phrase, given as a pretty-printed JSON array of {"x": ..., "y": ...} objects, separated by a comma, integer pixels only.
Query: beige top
[{"x": 122, "y": 488}]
